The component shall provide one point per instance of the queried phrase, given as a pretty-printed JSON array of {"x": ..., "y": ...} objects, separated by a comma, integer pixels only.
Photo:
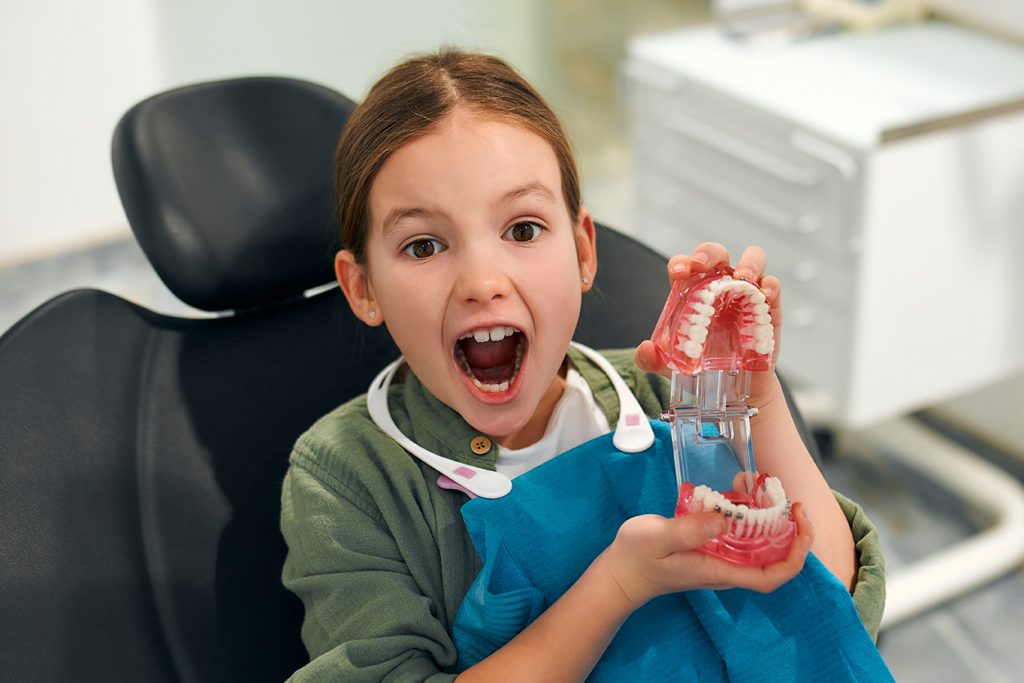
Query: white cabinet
[{"x": 884, "y": 174}]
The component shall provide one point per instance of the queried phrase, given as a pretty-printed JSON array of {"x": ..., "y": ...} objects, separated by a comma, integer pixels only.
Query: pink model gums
[
  {"x": 713, "y": 322},
  {"x": 761, "y": 527},
  {"x": 713, "y": 332}
]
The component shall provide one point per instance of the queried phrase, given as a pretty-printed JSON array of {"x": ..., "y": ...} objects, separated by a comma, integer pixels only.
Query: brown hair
[{"x": 414, "y": 96}]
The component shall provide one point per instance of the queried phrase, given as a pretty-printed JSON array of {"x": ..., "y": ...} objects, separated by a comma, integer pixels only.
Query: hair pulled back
[{"x": 413, "y": 97}]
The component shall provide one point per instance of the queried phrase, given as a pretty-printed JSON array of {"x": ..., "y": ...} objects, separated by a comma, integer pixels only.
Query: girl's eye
[
  {"x": 527, "y": 231},
  {"x": 423, "y": 248}
]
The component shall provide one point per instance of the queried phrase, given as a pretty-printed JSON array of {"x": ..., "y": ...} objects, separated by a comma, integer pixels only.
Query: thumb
[
  {"x": 693, "y": 531},
  {"x": 646, "y": 358}
]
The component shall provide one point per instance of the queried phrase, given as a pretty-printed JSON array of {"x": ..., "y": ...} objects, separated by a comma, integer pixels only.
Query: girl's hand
[
  {"x": 654, "y": 555},
  {"x": 750, "y": 268}
]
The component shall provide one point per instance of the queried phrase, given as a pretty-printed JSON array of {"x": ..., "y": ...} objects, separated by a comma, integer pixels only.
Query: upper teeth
[
  {"x": 490, "y": 334},
  {"x": 760, "y": 335}
]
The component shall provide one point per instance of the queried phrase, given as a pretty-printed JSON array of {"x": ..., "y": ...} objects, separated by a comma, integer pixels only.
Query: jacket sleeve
[
  {"x": 869, "y": 583},
  {"x": 366, "y": 619},
  {"x": 653, "y": 391}
]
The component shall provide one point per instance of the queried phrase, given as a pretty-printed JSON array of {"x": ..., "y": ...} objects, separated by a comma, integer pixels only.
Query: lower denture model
[{"x": 713, "y": 332}]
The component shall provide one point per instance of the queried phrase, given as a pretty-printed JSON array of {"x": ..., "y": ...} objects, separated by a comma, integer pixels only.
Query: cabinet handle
[
  {"x": 741, "y": 151},
  {"x": 745, "y": 202},
  {"x": 835, "y": 157}
]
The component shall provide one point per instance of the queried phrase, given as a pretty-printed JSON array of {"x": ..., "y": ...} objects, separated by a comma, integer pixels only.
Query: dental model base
[{"x": 713, "y": 332}]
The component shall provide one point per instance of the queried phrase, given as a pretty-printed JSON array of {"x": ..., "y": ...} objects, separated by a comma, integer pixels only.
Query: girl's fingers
[
  {"x": 678, "y": 268},
  {"x": 772, "y": 289},
  {"x": 751, "y": 265},
  {"x": 689, "y": 532},
  {"x": 768, "y": 578},
  {"x": 778, "y": 573},
  {"x": 739, "y": 482},
  {"x": 707, "y": 255},
  {"x": 646, "y": 358}
]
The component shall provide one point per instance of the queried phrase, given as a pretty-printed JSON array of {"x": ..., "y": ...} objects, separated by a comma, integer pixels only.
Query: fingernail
[
  {"x": 742, "y": 274},
  {"x": 714, "y": 526},
  {"x": 700, "y": 257},
  {"x": 678, "y": 267}
]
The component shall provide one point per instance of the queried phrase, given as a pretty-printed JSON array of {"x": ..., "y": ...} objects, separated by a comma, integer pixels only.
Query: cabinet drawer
[
  {"x": 782, "y": 176},
  {"x": 672, "y": 216}
]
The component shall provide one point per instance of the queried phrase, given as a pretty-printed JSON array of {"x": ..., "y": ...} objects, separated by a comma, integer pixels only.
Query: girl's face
[{"x": 476, "y": 268}]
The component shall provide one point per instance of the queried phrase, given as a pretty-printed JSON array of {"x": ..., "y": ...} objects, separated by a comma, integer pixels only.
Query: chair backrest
[{"x": 141, "y": 455}]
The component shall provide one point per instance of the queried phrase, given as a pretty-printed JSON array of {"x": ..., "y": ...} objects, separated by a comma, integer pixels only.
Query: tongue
[{"x": 491, "y": 362}]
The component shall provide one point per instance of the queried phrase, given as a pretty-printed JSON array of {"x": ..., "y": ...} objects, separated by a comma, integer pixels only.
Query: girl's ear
[
  {"x": 586, "y": 249},
  {"x": 355, "y": 283}
]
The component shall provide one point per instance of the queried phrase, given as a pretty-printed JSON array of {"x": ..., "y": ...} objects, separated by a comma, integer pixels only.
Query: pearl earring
[
  {"x": 372, "y": 314},
  {"x": 586, "y": 280}
]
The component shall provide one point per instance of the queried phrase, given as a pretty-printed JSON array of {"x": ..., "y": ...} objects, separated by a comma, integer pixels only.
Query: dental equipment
[{"x": 713, "y": 332}]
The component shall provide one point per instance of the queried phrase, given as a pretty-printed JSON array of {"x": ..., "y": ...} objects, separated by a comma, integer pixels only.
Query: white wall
[{"x": 69, "y": 69}]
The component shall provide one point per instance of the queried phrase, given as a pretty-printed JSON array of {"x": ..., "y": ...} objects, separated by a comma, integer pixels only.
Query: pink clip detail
[
  {"x": 632, "y": 420},
  {"x": 446, "y": 482},
  {"x": 465, "y": 472}
]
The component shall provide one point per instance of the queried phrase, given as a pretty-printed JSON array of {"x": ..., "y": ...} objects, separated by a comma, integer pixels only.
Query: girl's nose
[{"x": 481, "y": 279}]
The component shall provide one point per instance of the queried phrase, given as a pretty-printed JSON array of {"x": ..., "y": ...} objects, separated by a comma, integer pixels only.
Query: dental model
[{"x": 713, "y": 332}]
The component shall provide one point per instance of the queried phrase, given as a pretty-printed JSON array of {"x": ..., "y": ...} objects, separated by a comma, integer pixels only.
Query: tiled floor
[{"x": 977, "y": 637}]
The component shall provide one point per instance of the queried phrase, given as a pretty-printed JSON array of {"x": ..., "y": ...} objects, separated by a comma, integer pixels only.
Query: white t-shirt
[{"x": 576, "y": 419}]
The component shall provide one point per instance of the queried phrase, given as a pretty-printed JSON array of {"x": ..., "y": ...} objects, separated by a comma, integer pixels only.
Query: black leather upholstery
[
  {"x": 141, "y": 455},
  {"x": 227, "y": 187}
]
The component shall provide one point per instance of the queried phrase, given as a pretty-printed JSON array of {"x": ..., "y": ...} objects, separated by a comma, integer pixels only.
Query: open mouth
[{"x": 491, "y": 357}]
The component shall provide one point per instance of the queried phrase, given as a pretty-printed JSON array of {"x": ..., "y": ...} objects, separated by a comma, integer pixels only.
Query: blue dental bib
[{"x": 536, "y": 541}]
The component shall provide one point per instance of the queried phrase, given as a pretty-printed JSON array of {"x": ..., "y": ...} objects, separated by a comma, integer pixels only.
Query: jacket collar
[{"x": 436, "y": 427}]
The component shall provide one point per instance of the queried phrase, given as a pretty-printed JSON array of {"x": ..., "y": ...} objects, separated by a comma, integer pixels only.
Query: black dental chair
[{"x": 141, "y": 454}]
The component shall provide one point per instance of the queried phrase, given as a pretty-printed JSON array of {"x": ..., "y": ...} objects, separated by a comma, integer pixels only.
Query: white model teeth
[
  {"x": 697, "y": 334},
  {"x": 489, "y": 334},
  {"x": 698, "y": 320},
  {"x": 746, "y": 522},
  {"x": 691, "y": 341},
  {"x": 704, "y": 309}
]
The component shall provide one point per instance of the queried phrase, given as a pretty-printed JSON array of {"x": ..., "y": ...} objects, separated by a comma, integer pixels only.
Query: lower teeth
[{"x": 490, "y": 388}]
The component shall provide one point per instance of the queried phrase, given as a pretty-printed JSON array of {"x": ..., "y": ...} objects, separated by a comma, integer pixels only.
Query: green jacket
[{"x": 379, "y": 554}]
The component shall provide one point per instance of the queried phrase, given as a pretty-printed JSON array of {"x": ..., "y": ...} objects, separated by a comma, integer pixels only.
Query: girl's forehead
[{"x": 469, "y": 157}]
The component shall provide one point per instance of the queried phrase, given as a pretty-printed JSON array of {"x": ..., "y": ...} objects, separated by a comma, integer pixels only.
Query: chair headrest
[{"x": 228, "y": 187}]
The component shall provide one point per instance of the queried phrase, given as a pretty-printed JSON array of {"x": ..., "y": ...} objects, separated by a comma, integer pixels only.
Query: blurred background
[{"x": 876, "y": 149}]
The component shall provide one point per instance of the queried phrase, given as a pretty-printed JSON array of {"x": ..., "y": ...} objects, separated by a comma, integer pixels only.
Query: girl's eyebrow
[
  {"x": 530, "y": 189},
  {"x": 399, "y": 214}
]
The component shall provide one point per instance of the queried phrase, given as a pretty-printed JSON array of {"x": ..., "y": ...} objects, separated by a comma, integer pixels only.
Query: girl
[{"x": 463, "y": 232}]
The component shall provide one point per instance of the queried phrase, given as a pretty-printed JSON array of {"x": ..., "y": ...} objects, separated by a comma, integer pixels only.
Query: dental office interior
[{"x": 874, "y": 149}]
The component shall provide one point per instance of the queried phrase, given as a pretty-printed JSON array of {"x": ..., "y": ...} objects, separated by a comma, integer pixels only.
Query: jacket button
[{"x": 480, "y": 445}]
